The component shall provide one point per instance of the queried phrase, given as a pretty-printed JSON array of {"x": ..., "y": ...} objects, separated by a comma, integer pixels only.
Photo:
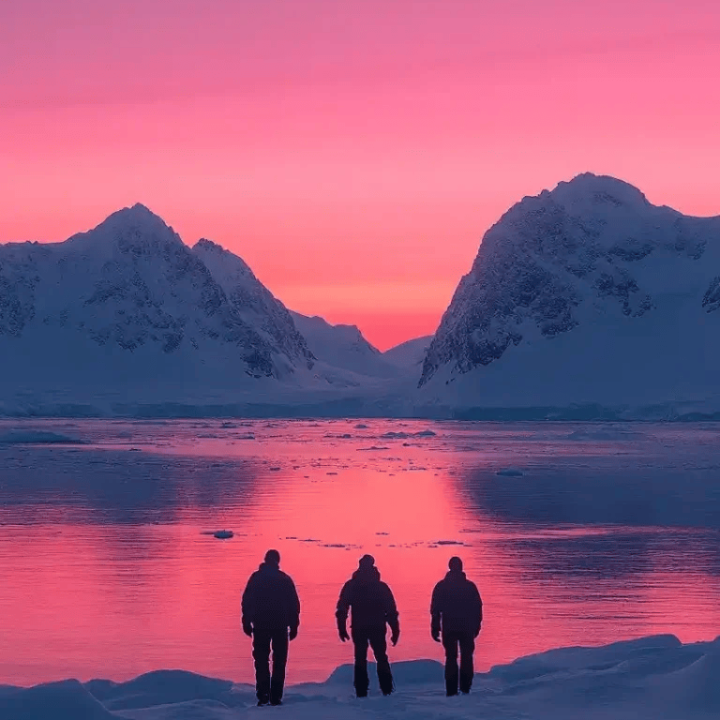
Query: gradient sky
[{"x": 353, "y": 152}]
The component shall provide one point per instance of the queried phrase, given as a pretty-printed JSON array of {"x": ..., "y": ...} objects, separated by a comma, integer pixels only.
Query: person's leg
[
  {"x": 450, "y": 643},
  {"x": 378, "y": 642},
  {"x": 279, "y": 661},
  {"x": 261, "y": 654},
  {"x": 360, "y": 641},
  {"x": 467, "y": 648}
]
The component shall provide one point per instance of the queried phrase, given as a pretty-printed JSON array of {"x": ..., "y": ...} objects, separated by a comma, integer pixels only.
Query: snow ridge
[{"x": 644, "y": 679}]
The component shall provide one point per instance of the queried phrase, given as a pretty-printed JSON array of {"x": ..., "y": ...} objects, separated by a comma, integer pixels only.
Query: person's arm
[
  {"x": 392, "y": 615},
  {"x": 478, "y": 609},
  {"x": 248, "y": 606},
  {"x": 294, "y": 604},
  {"x": 435, "y": 613},
  {"x": 342, "y": 610}
]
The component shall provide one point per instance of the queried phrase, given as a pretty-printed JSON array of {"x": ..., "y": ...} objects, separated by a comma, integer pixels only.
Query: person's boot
[
  {"x": 263, "y": 701},
  {"x": 386, "y": 684}
]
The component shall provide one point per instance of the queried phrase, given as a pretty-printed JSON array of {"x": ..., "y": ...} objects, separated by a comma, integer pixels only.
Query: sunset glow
[{"x": 353, "y": 153}]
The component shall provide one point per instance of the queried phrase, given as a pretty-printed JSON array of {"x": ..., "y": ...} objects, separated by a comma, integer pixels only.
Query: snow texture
[
  {"x": 409, "y": 355},
  {"x": 132, "y": 290},
  {"x": 655, "y": 678},
  {"x": 343, "y": 346},
  {"x": 587, "y": 296}
]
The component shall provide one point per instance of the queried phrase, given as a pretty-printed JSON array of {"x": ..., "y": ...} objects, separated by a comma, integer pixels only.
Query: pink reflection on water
[{"x": 115, "y": 600}]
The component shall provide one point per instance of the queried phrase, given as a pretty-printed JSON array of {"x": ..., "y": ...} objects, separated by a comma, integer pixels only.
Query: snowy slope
[
  {"x": 253, "y": 302},
  {"x": 410, "y": 354},
  {"x": 343, "y": 346},
  {"x": 584, "y": 297},
  {"x": 655, "y": 678},
  {"x": 128, "y": 308}
]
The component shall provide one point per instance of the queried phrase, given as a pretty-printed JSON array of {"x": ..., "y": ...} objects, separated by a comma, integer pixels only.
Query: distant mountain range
[{"x": 583, "y": 302}]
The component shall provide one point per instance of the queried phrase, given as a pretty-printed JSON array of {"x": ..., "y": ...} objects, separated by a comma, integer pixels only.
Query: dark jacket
[
  {"x": 371, "y": 600},
  {"x": 456, "y": 605},
  {"x": 270, "y": 601}
]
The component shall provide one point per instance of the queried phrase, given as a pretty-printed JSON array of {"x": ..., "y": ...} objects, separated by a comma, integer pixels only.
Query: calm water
[{"x": 576, "y": 534}]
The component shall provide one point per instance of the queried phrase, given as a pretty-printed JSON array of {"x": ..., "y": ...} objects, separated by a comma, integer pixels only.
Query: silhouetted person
[
  {"x": 271, "y": 616},
  {"x": 456, "y": 611},
  {"x": 373, "y": 606}
]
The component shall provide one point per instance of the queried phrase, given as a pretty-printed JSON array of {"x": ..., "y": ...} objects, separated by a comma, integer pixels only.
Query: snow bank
[{"x": 655, "y": 678}]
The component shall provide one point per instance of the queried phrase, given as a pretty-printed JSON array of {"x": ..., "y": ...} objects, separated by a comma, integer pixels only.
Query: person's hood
[
  {"x": 371, "y": 574},
  {"x": 455, "y": 576}
]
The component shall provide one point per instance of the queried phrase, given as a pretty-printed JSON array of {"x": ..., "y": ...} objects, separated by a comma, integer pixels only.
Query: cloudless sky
[{"x": 353, "y": 152}]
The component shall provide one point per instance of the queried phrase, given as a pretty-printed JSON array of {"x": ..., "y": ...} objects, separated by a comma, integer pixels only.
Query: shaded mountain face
[
  {"x": 253, "y": 302},
  {"x": 343, "y": 347},
  {"x": 591, "y": 252},
  {"x": 409, "y": 355},
  {"x": 131, "y": 285}
]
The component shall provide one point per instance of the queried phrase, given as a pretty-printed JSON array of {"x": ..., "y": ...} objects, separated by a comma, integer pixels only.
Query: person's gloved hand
[
  {"x": 293, "y": 633},
  {"x": 395, "y": 636},
  {"x": 435, "y": 634},
  {"x": 248, "y": 629},
  {"x": 343, "y": 633}
]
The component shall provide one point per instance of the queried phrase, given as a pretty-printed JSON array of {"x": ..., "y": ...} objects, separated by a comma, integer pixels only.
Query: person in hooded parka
[
  {"x": 373, "y": 609},
  {"x": 456, "y": 612},
  {"x": 271, "y": 616}
]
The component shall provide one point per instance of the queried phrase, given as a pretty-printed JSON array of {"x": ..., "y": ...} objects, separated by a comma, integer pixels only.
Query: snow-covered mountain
[
  {"x": 409, "y": 355},
  {"x": 585, "y": 300},
  {"x": 343, "y": 346},
  {"x": 129, "y": 305},
  {"x": 253, "y": 302}
]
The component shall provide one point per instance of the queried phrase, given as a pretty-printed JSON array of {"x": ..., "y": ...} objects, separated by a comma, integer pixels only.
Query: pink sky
[{"x": 352, "y": 152}]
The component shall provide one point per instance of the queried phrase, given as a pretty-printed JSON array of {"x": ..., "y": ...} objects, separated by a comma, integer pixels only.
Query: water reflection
[
  {"x": 117, "y": 487},
  {"x": 107, "y": 568}
]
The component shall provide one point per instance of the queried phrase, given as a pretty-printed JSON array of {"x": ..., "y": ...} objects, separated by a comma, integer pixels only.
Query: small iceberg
[
  {"x": 223, "y": 534},
  {"x": 510, "y": 472}
]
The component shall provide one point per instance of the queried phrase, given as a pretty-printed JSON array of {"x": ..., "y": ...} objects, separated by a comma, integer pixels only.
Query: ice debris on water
[
  {"x": 223, "y": 534},
  {"x": 38, "y": 437},
  {"x": 510, "y": 472}
]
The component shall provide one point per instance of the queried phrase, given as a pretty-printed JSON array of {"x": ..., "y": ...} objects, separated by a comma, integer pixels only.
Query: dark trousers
[
  {"x": 466, "y": 642},
  {"x": 270, "y": 689},
  {"x": 376, "y": 639}
]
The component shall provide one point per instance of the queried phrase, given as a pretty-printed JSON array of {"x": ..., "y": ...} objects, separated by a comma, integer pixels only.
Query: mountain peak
[
  {"x": 136, "y": 215},
  {"x": 597, "y": 189},
  {"x": 208, "y": 245}
]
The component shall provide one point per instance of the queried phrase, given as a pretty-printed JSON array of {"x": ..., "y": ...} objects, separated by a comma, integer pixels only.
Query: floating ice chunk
[
  {"x": 38, "y": 437},
  {"x": 510, "y": 472},
  {"x": 223, "y": 534}
]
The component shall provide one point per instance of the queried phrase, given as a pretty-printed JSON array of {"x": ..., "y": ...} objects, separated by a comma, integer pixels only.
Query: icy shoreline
[{"x": 651, "y": 678}]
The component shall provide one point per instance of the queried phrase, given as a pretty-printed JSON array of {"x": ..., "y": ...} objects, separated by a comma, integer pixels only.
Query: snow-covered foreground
[{"x": 654, "y": 678}]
